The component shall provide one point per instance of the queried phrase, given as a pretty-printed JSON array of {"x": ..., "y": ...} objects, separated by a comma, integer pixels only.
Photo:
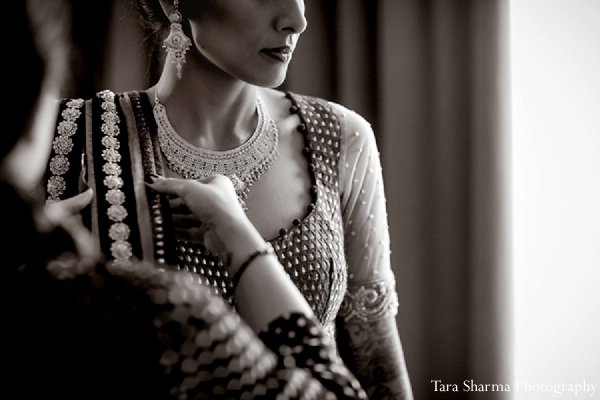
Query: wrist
[
  {"x": 242, "y": 239},
  {"x": 266, "y": 250}
]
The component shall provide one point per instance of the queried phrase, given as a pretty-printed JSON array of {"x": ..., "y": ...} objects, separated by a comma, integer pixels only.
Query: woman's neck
[{"x": 212, "y": 112}]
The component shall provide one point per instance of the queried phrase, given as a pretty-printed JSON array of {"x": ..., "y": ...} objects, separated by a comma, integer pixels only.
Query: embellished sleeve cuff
[{"x": 369, "y": 301}]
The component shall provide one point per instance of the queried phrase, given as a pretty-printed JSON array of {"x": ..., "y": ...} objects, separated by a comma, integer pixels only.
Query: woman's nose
[{"x": 291, "y": 18}]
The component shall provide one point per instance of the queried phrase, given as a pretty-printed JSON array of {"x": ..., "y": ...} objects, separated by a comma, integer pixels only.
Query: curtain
[{"x": 431, "y": 77}]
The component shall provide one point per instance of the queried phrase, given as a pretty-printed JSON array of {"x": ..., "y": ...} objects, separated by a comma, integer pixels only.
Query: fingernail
[{"x": 149, "y": 178}]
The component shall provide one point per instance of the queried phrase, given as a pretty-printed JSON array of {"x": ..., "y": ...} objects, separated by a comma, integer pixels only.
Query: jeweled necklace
[{"x": 243, "y": 165}]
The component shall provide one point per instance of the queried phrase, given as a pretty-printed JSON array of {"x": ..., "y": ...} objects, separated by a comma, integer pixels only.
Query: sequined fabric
[{"x": 122, "y": 332}]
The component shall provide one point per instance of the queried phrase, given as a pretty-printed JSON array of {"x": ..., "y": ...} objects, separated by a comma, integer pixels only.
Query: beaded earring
[{"x": 177, "y": 43}]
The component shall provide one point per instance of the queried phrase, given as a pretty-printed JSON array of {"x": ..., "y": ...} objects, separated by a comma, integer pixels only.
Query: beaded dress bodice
[
  {"x": 311, "y": 249},
  {"x": 337, "y": 254}
]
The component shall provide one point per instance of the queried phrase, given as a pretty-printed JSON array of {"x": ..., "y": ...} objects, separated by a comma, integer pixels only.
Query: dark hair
[
  {"x": 155, "y": 24},
  {"x": 152, "y": 19}
]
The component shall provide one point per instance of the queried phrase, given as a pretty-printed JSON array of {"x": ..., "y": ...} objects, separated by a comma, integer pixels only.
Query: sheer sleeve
[
  {"x": 368, "y": 337},
  {"x": 366, "y": 240}
]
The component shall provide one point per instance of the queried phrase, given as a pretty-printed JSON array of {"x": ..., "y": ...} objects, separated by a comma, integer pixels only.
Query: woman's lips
[{"x": 281, "y": 54}]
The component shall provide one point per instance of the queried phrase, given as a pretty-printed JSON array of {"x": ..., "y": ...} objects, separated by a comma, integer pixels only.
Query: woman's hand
[
  {"x": 209, "y": 211},
  {"x": 72, "y": 206},
  {"x": 265, "y": 291},
  {"x": 67, "y": 215}
]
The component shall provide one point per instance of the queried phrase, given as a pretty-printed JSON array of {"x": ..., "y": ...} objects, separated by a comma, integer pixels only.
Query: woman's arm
[
  {"x": 368, "y": 337},
  {"x": 372, "y": 351},
  {"x": 301, "y": 362},
  {"x": 264, "y": 291}
]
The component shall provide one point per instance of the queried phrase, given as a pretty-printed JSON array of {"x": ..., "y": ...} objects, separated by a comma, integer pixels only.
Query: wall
[{"x": 556, "y": 196}]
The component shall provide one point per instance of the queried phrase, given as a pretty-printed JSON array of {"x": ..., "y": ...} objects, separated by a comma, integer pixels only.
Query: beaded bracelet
[{"x": 238, "y": 275}]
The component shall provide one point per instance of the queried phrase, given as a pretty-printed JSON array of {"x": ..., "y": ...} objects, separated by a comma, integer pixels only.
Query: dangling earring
[{"x": 177, "y": 43}]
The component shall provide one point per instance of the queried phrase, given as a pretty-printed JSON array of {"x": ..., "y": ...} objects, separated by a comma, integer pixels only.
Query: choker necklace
[{"x": 243, "y": 165}]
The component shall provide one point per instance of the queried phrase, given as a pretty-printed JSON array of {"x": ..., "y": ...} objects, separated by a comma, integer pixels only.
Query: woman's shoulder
[
  {"x": 350, "y": 120},
  {"x": 355, "y": 129}
]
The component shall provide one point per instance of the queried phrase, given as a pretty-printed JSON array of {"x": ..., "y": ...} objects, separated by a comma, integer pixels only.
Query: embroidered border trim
[
  {"x": 369, "y": 302},
  {"x": 62, "y": 146},
  {"x": 149, "y": 154},
  {"x": 120, "y": 248}
]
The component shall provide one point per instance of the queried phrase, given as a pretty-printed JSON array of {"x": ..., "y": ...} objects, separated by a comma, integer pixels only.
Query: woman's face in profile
[{"x": 251, "y": 40}]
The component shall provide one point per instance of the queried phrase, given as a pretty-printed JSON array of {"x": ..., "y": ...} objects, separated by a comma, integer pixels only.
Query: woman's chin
[{"x": 272, "y": 81}]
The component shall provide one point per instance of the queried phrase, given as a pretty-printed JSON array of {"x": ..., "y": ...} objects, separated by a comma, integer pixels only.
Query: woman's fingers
[
  {"x": 193, "y": 234},
  {"x": 79, "y": 202},
  {"x": 165, "y": 185},
  {"x": 213, "y": 200},
  {"x": 71, "y": 206},
  {"x": 185, "y": 221},
  {"x": 178, "y": 186},
  {"x": 75, "y": 204},
  {"x": 178, "y": 206}
]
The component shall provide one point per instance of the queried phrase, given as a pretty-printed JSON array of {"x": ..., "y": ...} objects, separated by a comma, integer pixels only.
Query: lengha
[{"x": 339, "y": 250}]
